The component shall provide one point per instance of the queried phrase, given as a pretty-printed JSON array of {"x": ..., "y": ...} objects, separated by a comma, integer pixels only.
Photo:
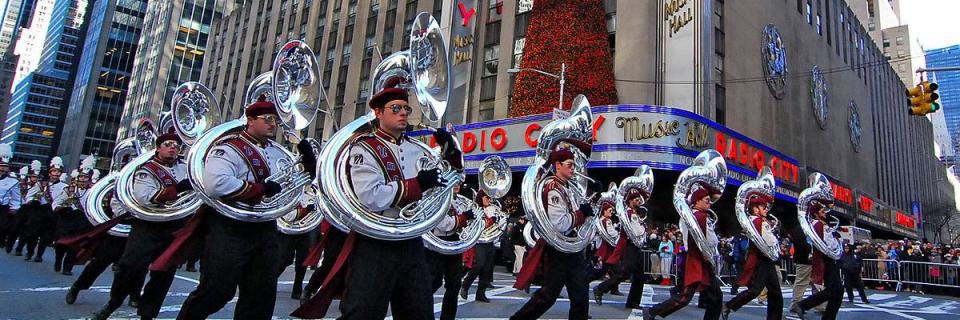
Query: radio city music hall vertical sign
[{"x": 684, "y": 53}]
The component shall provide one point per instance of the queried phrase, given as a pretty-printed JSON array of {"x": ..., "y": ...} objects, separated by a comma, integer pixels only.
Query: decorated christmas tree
[{"x": 565, "y": 31}]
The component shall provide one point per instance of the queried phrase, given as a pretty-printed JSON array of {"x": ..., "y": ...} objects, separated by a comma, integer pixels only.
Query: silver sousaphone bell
[
  {"x": 97, "y": 197},
  {"x": 295, "y": 86},
  {"x": 426, "y": 69},
  {"x": 192, "y": 109}
]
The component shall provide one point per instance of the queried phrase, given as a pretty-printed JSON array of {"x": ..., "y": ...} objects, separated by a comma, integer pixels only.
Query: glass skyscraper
[{"x": 949, "y": 82}]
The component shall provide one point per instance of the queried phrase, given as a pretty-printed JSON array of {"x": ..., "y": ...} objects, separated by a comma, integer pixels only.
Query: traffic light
[{"x": 923, "y": 98}]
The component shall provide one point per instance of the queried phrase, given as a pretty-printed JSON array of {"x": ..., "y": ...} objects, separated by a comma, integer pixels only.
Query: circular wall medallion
[
  {"x": 854, "y": 124},
  {"x": 774, "y": 61},
  {"x": 818, "y": 95}
]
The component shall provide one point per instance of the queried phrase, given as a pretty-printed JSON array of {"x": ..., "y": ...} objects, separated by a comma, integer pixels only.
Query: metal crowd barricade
[
  {"x": 656, "y": 271},
  {"x": 881, "y": 270},
  {"x": 914, "y": 273},
  {"x": 788, "y": 267}
]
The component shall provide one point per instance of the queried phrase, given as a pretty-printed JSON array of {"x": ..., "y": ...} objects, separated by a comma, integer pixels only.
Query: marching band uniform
[
  {"x": 384, "y": 176},
  {"x": 485, "y": 255},
  {"x": 238, "y": 253},
  {"x": 698, "y": 275},
  {"x": 632, "y": 261},
  {"x": 826, "y": 272},
  {"x": 66, "y": 206},
  {"x": 108, "y": 251},
  {"x": 560, "y": 269},
  {"x": 14, "y": 225},
  {"x": 759, "y": 271},
  {"x": 9, "y": 197},
  {"x": 447, "y": 268},
  {"x": 39, "y": 223},
  {"x": 154, "y": 182}
]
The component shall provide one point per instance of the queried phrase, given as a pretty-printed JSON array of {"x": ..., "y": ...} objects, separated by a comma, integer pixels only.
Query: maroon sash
[
  {"x": 255, "y": 161},
  {"x": 313, "y": 256},
  {"x": 335, "y": 282},
  {"x": 86, "y": 243},
  {"x": 190, "y": 235},
  {"x": 531, "y": 265},
  {"x": 160, "y": 172}
]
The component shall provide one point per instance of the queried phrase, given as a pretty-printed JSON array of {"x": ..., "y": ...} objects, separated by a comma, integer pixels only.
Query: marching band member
[
  {"x": 38, "y": 220},
  {"x": 825, "y": 271},
  {"x": 447, "y": 269},
  {"x": 238, "y": 253},
  {"x": 698, "y": 275},
  {"x": 571, "y": 270},
  {"x": 101, "y": 248},
  {"x": 66, "y": 207},
  {"x": 15, "y": 224},
  {"x": 759, "y": 271},
  {"x": 9, "y": 197},
  {"x": 159, "y": 180},
  {"x": 631, "y": 259},
  {"x": 385, "y": 177},
  {"x": 485, "y": 254}
]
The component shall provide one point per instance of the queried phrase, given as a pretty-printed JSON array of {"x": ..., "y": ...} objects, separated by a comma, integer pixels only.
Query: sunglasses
[
  {"x": 397, "y": 107},
  {"x": 170, "y": 144},
  {"x": 268, "y": 118}
]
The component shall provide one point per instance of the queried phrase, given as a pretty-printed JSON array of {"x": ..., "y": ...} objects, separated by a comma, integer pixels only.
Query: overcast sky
[{"x": 936, "y": 23}]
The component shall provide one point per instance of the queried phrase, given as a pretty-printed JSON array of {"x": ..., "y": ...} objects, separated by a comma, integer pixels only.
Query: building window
[
  {"x": 495, "y": 10},
  {"x": 899, "y": 41},
  {"x": 872, "y": 26},
  {"x": 491, "y": 59},
  {"x": 809, "y": 13}
]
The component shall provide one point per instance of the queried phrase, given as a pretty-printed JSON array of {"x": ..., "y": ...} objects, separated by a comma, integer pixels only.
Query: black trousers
[
  {"x": 738, "y": 269},
  {"x": 852, "y": 280},
  {"x": 38, "y": 230},
  {"x": 14, "y": 227},
  {"x": 570, "y": 270},
  {"x": 832, "y": 293},
  {"x": 387, "y": 273},
  {"x": 483, "y": 261},
  {"x": 331, "y": 250},
  {"x": 236, "y": 255},
  {"x": 711, "y": 297},
  {"x": 631, "y": 267},
  {"x": 7, "y": 225},
  {"x": 447, "y": 271},
  {"x": 146, "y": 242},
  {"x": 293, "y": 249},
  {"x": 765, "y": 276},
  {"x": 109, "y": 252}
]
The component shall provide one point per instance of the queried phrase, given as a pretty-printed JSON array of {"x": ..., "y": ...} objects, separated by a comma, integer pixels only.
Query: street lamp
[{"x": 563, "y": 71}]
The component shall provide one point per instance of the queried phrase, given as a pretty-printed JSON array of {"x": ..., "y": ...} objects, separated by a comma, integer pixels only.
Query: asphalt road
[{"x": 30, "y": 290}]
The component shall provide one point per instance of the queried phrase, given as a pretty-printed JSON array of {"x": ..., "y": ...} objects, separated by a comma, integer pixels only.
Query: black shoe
[
  {"x": 526, "y": 290},
  {"x": 463, "y": 293},
  {"x": 865, "y": 301},
  {"x": 104, "y": 313},
  {"x": 481, "y": 297},
  {"x": 38, "y": 259},
  {"x": 191, "y": 269},
  {"x": 597, "y": 297},
  {"x": 67, "y": 273},
  {"x": 616, "y": 292},
  {"x": 28, "y": 257},
  {"x": 133, "y": 303},
  {"x": 725, "y": 313},
  {"x": 797, "y": 310},
  {"x": 295, "y": 295},
  {"x": 72, "y": 295}
]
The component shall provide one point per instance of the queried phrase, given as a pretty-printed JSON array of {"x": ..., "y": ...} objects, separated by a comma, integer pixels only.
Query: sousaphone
[
  {"x": 296, "y": 89},
  {"x": 634, "y": 226},
  {"x": 577, "y": 129},
  {"x": 98, "y": 196},
  {"x": 425, "y": 70},
  {"x": 710, "y": 171},
  {"x": 764, "y": 185},
  {"x": 611, "y": 237},
  {"x": 192, "y": 108},
  {"x": 819, "y": 192},
  {"x": 495, "y": 180}
]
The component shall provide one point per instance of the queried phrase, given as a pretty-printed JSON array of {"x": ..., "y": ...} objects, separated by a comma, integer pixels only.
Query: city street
[{"x": 30, "y": 290}]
